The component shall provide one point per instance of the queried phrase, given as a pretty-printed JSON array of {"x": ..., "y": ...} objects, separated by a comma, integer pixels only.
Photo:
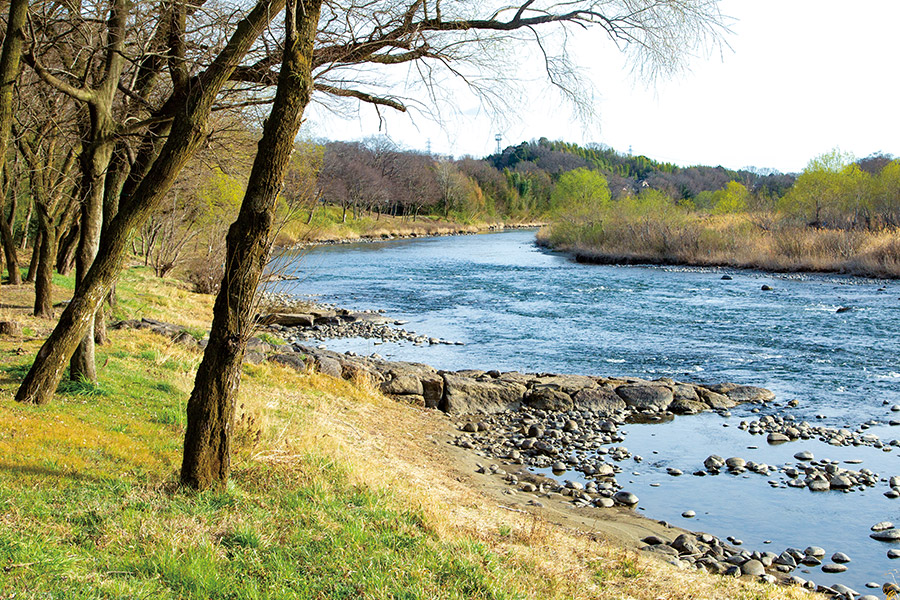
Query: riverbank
[
  {"x": 733, "y": 242},
  {"x": 321, "y": 465},
  {"x": 329, "y": 228}
]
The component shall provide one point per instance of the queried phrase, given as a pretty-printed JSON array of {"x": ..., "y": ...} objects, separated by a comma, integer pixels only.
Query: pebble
[
  {"x": 886, "y": 535},
  {"x": 833, "y": 568},
  {"x": 840, "y": 557},
  {"x": 689, "y": 514},
  {"x": 893, "y": 553}
]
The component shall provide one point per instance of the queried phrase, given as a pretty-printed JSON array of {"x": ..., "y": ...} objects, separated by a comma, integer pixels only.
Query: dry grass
[
  {"x": 87, "y": 499},
  {"x": 741, "y": 241},
  {"x": 395, "y": 446}
]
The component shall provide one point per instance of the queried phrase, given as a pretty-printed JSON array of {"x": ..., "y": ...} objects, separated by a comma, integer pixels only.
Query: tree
[
  {"x": 172, "y": 138},
  {"x": 385, "y": 32},
  {"x": 816, "y": 194},
  {"x": 207, "y": 442},
  {"x": 580, "y": 192},
  {"x": 734, "y": 198},
  {"x": 10, "y": 59}
]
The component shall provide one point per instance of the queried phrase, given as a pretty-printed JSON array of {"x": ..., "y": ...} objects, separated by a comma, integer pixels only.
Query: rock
[
  {"x": 645, "y": 396},
  {"x": 840, "y": 482},
  {"x": 548, "y": 398},
  {"x": 804, "y": 455},
  {"x": 753, "y": 567},
  {"x": 654, "y": 540},
  {"x": 766, "y": 288},
  {"x": 289, "y": 320},
  {"x": 559, "y": 467},
  {"x": 814, "y": 551},
  {"x": 786, "y": 559},
  {"x": 682, "y": 406},
  {"x": 886, "y": 535},
  {"x": 777, "y": 438},
  {"x": 844, "y": 309},
  {"x": 818, "y": 485},
  {"x": 714, "y": 462},
  {"x": 840, "y": 558},
  {"x": 689, "y": 514},
  {"x": 598, "y": 400},
  {"x": 893, "y": 553},
  {"x": 749, "y": 393},
  {"x": 833, "y": 568},
  {"x": 294, "y": 360},
  {"x": 735, "y": 463},
  {"x": 467, "y": 395},
  {"x": 715, "y": 400},
  {"x": 726, "y": 278},
  {"x": 625, "y": 498},
  {"x": 890, "y": 588}
]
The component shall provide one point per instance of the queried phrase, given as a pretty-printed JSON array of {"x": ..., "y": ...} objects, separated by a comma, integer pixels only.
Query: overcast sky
[{"x": 800, "y": 78}]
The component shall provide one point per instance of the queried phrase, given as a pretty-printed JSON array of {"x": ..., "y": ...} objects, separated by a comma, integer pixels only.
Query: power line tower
[
  {"x": 428, "y": 146},
  {"x": 498, "y": 137}
]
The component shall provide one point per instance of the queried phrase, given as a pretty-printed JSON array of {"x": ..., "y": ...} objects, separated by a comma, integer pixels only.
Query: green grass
[{"x": 91, "y": 509}]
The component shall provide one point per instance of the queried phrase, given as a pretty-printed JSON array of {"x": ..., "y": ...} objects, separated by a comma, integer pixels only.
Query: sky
[{"x": 799, "y": 78}]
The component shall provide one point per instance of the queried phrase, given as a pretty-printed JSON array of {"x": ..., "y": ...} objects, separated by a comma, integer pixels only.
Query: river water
[{"x": 519, "y": 307}]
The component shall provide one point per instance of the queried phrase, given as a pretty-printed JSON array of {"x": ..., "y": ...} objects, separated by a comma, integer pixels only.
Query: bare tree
[
  {"x": 327, "y": 55},
  {"x": 174, "y": 134}
]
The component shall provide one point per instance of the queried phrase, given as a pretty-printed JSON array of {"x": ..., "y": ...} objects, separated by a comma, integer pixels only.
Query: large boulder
[
  {"x": 642, "y": 397},
  {"x": 749, "y": 393},
  {"x": 548, "y": 398},
  {"x": 468, "y": 395},
  {"x": 570, "y": 384},
  {"x": 598, "y": 400},
  {"x": 412, "y": 379}
]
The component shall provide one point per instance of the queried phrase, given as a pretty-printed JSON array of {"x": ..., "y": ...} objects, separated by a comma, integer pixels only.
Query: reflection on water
[{"x": 520, "y": 308}]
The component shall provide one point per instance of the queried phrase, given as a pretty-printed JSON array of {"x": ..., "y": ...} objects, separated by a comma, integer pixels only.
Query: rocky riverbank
[{"x": 573, "y": 428}]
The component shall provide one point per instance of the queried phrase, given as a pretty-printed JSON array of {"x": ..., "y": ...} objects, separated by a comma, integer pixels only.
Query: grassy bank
[
  {"x": 737, "y": 240},
  {"x": 337, "y": 492},
  {"x": 329, "y": 225}
]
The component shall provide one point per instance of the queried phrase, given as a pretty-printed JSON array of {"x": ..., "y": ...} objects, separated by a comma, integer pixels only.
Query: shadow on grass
[{"x": 36, "y": 471}]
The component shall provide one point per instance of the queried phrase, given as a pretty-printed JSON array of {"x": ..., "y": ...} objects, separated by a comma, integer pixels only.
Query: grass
[
  {"x": 737, "y": 240},
  {"x": 336, "y": 492}
]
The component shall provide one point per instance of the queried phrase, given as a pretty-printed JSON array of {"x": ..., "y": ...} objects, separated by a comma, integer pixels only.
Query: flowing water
[{"x": 518, "y": 307}]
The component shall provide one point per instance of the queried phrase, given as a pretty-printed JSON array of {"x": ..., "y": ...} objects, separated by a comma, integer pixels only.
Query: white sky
[{"x": 801, "y": 77}]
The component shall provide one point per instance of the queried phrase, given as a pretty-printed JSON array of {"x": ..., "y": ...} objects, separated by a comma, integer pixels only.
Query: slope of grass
[{"x": 336, "y": 492}]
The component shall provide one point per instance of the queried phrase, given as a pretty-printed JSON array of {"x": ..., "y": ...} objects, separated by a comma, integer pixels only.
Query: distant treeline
[{"x": 375, "y": 176}]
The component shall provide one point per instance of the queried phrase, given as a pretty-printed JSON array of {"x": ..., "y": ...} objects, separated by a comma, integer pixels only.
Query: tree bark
[
  {"x": 10, "y": 61},
  {"x": 35, "y": 259},
  {"x": 9, "y": 244},
  {"x": 210, "y": 411},
  {"x": 43, "y": 283},
  {"x": 152, "y": 176}
]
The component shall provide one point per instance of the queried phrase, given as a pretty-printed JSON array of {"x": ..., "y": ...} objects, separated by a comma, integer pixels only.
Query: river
[{"x": 519, "y": 307}]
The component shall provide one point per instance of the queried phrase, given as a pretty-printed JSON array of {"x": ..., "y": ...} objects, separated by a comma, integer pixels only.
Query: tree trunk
[
  {"x": 9, "y": 245},
  {"x": 35, "y": 259},
  {"x": 95, "y": 161},
  {"x": 43, "y": 283},
  {"x": 65, "y": 254},
  {"x": 152, "y": 176},
  {"x": 210, "y": 411},
  {"x": 24, "y": 243}
]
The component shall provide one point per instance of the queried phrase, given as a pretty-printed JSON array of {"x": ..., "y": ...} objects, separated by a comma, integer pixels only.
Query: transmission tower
[{"x": 498, "y": 137}]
